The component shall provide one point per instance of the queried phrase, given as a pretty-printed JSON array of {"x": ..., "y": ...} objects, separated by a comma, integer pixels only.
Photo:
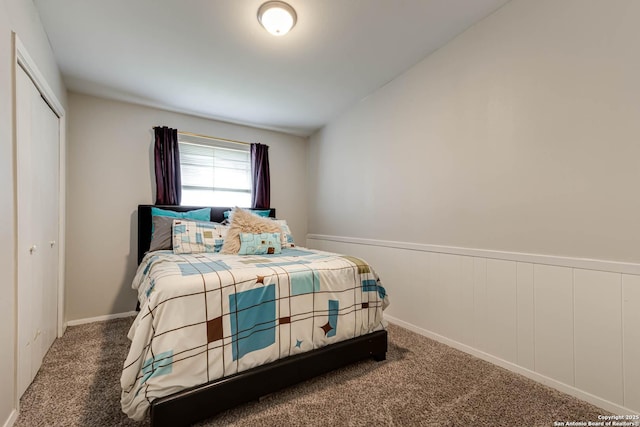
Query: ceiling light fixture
[{"x": 277, "y": 17}]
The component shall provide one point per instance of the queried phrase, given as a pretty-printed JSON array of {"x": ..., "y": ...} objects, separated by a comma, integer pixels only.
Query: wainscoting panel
[
  {"x": 553, "y": 293},
  {"x": 466, "y": 300},
  {"x": 501, "y": 324},
  {"x": 573, "y": 324},
  {"x": 631, "y": 340},
  {"x": 525, "y": 310},
  {"x": 431, "y": 311},
  {"x": 456, "y": 288},
  {"x": 437, "y": 291},
  {"x": 479, "y": 304},
  {"x": 598, "y": 333},
  {"x": 410, "y": 299}
]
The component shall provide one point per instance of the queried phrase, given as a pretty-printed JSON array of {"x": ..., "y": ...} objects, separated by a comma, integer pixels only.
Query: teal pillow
[
  {"x": 261, "y": 212},
  {"x": 203, "y": 214},
  {"x": 259, "y": 244}
]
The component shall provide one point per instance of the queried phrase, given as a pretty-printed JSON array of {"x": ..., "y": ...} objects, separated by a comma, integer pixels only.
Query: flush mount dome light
[{"x": 277, "y": 17}]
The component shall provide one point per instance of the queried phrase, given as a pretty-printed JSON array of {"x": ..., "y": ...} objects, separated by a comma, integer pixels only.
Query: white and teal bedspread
[{"x": 206, "y": 316}]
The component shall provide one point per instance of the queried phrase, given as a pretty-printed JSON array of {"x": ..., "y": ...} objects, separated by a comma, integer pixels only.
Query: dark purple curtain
[
  {"x": 260, "y": 185},
  {"x": 167, "y": 162}
]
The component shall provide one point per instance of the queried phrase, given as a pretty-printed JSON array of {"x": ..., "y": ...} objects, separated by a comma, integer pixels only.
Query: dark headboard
[{"x": 145, "y": 222}]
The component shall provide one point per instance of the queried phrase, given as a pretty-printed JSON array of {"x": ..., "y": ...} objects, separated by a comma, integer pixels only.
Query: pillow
[
  {"x": 287, "y": 237},
  {"x": 259, "y": 243},
  {"x": 261, "y": 212},
  {"x": 162, "y": 237},
  {"x": 244, "y": 221},
  {"x": 203, "y": 214},
  {"x": 190, "y": 237}
]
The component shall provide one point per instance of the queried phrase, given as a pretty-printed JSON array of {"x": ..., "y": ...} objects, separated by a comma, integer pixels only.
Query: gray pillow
[{"x": 162, "y": 237}]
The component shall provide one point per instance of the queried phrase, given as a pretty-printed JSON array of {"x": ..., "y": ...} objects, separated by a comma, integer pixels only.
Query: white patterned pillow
[
  {"x": 259, "y": 244},
  {"x": 287, "y": 237},
  {"x": 190, "y": 237}
]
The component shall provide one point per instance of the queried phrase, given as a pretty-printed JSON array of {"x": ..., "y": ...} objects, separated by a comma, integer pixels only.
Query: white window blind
[{"x": 214, "y": 174}]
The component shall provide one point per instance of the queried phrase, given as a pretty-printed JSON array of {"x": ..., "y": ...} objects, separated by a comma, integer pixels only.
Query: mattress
[{"x": 206, "y": 316}]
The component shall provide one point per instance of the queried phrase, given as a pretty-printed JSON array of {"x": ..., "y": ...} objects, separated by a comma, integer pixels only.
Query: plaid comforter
[{"x": 205, "y": 316}]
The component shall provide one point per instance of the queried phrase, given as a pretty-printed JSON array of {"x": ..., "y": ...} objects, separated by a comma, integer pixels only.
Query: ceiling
[{"x": 211, "y": 58}]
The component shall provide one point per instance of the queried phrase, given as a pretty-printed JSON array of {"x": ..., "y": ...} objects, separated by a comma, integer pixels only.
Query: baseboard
[
  {"x": 12, "y": 419},
  {"x": 62, "y": 329},
  {"x": 570, "y": 390},
  {"x": 101, "y": 318}
]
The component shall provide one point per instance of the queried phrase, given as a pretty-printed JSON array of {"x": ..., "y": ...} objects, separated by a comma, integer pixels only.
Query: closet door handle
[
  {"x": 32, "y": 249},
  {"x": 52, "y": 243}
]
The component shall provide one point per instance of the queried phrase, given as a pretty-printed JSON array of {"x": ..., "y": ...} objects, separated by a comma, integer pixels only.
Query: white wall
[
  {"x": 8, "y": 402},
  {"x": 110, "y": 172},
  {"x": 518, "y": 137},
  {"x": 25, "y": 21},
  {"x": 19, "y": 16}
]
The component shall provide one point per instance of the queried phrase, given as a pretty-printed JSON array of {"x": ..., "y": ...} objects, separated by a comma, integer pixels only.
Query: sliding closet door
[
  {"x": 37, "y": 216},
  {"x": 46, "y": 129},
  {"x": 26, "y": 232}
]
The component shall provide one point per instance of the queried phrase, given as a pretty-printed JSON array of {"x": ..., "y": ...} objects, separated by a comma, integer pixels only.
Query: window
[{"x": 214, "y": 173}]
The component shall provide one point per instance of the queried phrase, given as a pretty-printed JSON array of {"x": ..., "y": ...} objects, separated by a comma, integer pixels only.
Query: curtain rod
[{"x": 213, "y": 137}]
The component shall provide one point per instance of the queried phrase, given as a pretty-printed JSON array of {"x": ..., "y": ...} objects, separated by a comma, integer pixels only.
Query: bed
[{"x": 238, "y": 327}]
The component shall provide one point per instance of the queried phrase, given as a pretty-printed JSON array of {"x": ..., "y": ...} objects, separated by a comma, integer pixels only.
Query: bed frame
[{"x": 197, "y": 403}]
